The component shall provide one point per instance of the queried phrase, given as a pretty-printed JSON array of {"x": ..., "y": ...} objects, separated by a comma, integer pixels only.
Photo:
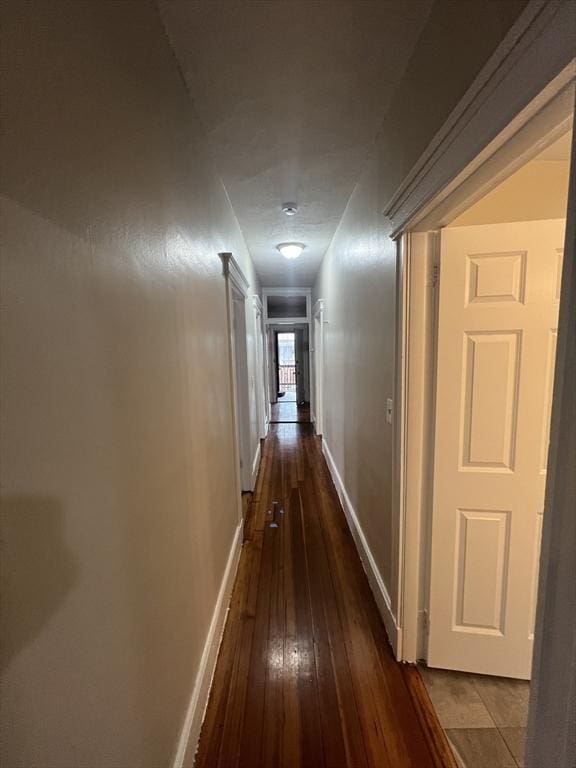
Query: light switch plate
[{"x": 389, "y": 405}]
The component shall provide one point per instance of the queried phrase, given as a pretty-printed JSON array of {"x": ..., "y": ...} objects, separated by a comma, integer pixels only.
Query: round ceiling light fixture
[
  {"x": 290, "y": 209},
  {"x": 291, "y": 250}
]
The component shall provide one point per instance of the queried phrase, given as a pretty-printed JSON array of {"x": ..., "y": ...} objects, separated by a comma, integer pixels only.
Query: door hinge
[{"x": 434, "y": 250}]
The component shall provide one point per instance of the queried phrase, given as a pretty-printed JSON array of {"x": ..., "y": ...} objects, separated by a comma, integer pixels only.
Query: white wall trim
[
  {"x": 538, "y": 49},
  {"x": 414, "y": 450},
  {"x": 190, "y": 733},
  {"x": 256, "y": 464},
  {"x": 266, "y": 292},
  {"x": 375, "y": 579},
  {"x": 317, "y": 351},
  {"x": 318, "y": 307},
  {"x": 237, "y": 291},
  {"x": 261, "y": 368},
  {"x": 232, "y": 271}
]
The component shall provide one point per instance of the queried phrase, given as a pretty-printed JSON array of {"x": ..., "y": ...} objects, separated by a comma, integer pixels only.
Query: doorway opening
[
  {"x": 291, "y": 374},
  {"x": 236, "y": 295},
  {"x": 500, "y": 267},
  {"x": 287, "y": 318},
  {"x": 483, "y": 288},
  {"x": 286, "y": 366},
  {"x": 240, "y": 386}
]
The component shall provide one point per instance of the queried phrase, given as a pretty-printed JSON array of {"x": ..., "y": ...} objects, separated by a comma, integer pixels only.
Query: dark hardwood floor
[
  {"x": 287, "y": 411},
  {"x": 305, "y": 675}
]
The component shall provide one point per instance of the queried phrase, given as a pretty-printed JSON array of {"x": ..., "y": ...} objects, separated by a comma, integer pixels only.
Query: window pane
[{"x": 287, "y": 306}]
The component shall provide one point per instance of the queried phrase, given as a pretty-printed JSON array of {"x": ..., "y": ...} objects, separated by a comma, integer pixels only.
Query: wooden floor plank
[
  {"x": 292, "y": 719},
  {"x": 305, "y": 676},
  {"x": 273, "y": 694},
  {"x": 289, "y": 412},
  {"x": 254, "y": 714},
  {"x": 212, "y": 729},
  {"x": 350, "y": 723},
  {"x": 331, "y": 658},
  {"x": 384, "y": 704},
  {"x": 229, "y": 751},
  {"x": 310, "y": 730}
]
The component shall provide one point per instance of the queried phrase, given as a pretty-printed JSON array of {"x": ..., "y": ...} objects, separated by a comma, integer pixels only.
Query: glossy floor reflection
[
  {"x": 288, "y": 411},
  {"x": 305, "y": 676}
]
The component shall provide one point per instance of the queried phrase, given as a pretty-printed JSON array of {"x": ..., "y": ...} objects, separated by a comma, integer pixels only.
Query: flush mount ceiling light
[{"x": 291, "y": 250}]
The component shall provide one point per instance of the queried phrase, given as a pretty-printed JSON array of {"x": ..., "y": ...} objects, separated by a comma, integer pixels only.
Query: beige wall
[
  {"x": 538, "y": 190},
  {"x": 117, "y": 467},
  {"x": 357, "y": 279}
]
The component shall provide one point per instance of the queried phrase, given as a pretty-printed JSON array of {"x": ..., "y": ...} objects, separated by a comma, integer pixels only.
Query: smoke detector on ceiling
[{"x": 290, "y": 209}]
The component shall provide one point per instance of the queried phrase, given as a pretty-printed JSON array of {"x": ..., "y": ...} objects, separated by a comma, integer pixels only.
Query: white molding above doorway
[
  {"x": 266, "y": 292},
  {"x": 534, "y": 63},
  {"x": 232, "y": 271}
]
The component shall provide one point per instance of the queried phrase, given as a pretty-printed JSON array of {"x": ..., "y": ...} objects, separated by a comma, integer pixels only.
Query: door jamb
[
  {"x": 541, "y": 121},
  {"x": 261, "y": 368},
  {"x": 236, "y": 290},
  {"x": 317, "y": 395},
  {"x": 273, "y": 329},
  {"x": 302, "y": 320}
]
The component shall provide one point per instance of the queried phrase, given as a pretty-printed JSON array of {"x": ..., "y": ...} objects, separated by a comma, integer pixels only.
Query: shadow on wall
[{"x": 37, "y": 569}]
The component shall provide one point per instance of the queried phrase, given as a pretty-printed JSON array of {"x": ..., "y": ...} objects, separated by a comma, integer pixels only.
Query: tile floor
[{"x": 484, "y": 717}]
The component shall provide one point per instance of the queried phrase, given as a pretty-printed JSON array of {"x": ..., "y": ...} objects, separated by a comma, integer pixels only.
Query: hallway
[
  {"x": 223, "y": 283},
  {"x": 305, "y": 675}
]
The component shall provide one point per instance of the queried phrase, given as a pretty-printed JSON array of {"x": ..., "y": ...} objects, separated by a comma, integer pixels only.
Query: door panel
[
  {"x": 481, "y": 562},
  {"x": 497, "y": 317},
  {"x": 490, "y": 378},
  {"x": 300, "y": 366},
  {"x": 496, "y": 277}
]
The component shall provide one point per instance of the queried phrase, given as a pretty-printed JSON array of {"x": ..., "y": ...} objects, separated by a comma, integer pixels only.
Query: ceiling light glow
[{"x": 291, "y": 250}]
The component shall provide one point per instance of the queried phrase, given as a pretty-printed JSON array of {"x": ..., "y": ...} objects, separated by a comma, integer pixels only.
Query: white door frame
[
  {"x": 543, "y": 122},
  {"x": 261, "y": 365},
  {"x": 269, "y": 322},
  {"x": 284, "y": 327},
  {"x": 237, "y": 291},
  {"x": 317, "y": 352},
  {"x": 520, "y": 102}
]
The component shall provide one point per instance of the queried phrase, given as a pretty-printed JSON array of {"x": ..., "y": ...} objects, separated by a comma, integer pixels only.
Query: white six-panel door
[{"x": 498, "y": 309}]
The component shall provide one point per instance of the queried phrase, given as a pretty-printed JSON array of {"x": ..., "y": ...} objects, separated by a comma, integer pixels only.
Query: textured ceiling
[{"x": 291, "y": 95}]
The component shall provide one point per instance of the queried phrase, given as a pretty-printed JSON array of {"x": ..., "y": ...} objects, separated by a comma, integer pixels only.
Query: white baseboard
[
  {"x": 255, "y": 466},
  {"x": 376, "y": 582},
  {"x": 188, "y": 741}
]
